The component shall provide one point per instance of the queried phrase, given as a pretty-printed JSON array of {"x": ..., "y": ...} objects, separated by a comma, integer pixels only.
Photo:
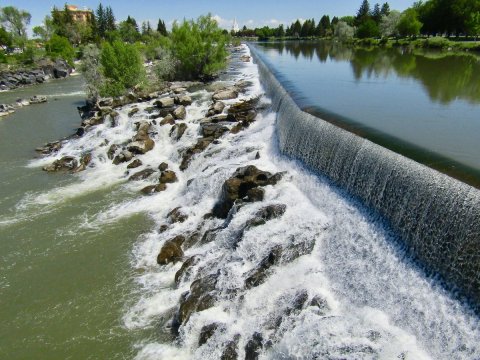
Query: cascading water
[
  {"x": 437, "y": 216},
  {"x": 334, "y": 283}
]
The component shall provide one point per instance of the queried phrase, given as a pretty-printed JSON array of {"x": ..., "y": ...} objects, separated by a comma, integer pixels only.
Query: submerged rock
[
  {"x": 154, "y": 189},
  {"x": 168, "y": 120},
  {"x": 258, "y": 275},
  {"x": 38, "y": 99},
  {"x": 141, "y": 175},
  {"x": 184, "y": 270},
  {"x": 213, "y": 130},
  {"x": 84, "y": 161},
  {"x": 202, "y": 296},
  {"x": 254, "y": 347},
  {"x": 176, "y": 215},
  {"x": 66, "y": 163},
  {"x": 178, "y": 130},
  {"x": 206, "y": 333}
]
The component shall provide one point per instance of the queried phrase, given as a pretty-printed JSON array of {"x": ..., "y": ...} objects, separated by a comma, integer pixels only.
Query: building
[
  {"x": 235, "y": 27},
  {"x": 80, "y": 15}
]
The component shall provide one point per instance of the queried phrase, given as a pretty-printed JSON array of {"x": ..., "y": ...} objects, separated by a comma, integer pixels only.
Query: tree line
[{"x": 428, "y": 18}]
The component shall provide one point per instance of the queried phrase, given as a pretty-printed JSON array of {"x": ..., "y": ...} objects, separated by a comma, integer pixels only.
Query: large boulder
[
  {"x": 184, "y": 100},
  {"x": 124, "y": 156},
  {"x": 216, "y": 108},
  {"x": 142, "y": 143},
  {"x": 141, "y": 175},
  {"x": 227, "y": 94},
  {"x": 213, "y": 130},
  {"x": 66, "y": 163},
  {"x": 171, "y": 251},
  {"x": 165, "y": 102},
  {"x": 168, "y": 177},
  {"x": 180, "y": 113},
  {"x": 238, "y": 186}
]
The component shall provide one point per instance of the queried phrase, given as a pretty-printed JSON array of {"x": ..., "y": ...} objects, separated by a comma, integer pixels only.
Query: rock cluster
[
  {"x": 11, "y": 80},
  {"x": 7, "y": 109}
]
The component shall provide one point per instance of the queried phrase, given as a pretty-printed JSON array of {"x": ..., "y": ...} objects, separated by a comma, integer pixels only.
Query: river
[
  {"x": 79, "y": 273},
  {"x": 424, "y": 104}
]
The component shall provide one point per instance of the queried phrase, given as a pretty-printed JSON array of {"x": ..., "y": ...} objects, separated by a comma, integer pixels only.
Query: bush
[
  {"x": 368, "y": 29},
  {"x": 60, "y": 47},
  {"x": 437, "y": 42},
  {"x": 91, "y": 71},
  {"x": 166, "y": 65},
  {"x": 200, "y": 48},
  {"x": 122, "y": 68}
]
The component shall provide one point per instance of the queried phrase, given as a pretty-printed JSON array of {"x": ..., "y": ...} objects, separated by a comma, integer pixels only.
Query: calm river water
[{"x": 423, "y": 104}]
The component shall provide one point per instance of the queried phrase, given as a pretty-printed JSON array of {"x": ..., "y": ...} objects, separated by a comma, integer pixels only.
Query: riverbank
[
  {"x": 38, "y": 74},
  {"x": 249, "y": 252}
]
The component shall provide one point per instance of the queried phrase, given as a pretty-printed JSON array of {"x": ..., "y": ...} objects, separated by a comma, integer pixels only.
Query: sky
[{"x": 252, "y": 13}]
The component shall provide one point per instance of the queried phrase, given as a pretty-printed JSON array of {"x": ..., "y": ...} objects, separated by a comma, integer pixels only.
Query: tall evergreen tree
[
  {"x": 377, "y": 13},
  {"x": 385, "y": 9},
  {"x": 363, "y": 13},
  {"x": 109, "y": 19},
  {"x": 101, "y": 21},
  {"x": 161, "y": 28}
]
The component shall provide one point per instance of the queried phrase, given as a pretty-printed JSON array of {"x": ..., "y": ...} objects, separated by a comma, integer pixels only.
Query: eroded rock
[
  {"x": 66, "y": 163},
  {"x": 171, "y": 251},
  {"x": 141, "y": 175}
]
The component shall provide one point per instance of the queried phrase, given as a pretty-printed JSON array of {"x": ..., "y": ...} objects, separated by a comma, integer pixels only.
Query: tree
[
  {"x": 128, "y": 32},
  {"x": 109, "y": 19},
  {"x": 473, "y": 24},
  {"x": 199, "y": 47},
  {"x": 385, "y": 9},
  {"x": 45, "y": 31},
  {"x": 377, "y": 13},
  {"x": 122, "y": 68},
  {"x": 389, "y": 24},
  {"x": 363, "y": 13},
  {"x": 5, "y": 39},
  {"x": 60, "y": 47},
  {"x": 409, "y": 25},
  {"x": 368, "y": 29},
  {"x": 343, "y": 31},
  {"x": 15, "y": 21},
  {"x": 101, "y": 21},
  {"x": 91, "y": 71},
  {"x": 296, "y": 28},
  {"x": 161, "y": 28},
  {"x": 280, "y": 31}
]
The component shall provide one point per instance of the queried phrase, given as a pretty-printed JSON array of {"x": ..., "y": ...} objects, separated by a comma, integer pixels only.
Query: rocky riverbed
[{"x": 251, "y": 256}]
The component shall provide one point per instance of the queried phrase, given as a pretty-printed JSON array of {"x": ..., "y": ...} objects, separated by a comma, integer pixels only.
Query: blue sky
[{"x": 252, "y": 13}]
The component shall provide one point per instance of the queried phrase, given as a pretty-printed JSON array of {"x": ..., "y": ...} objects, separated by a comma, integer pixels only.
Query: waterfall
[{"x": 437, "y": 217}]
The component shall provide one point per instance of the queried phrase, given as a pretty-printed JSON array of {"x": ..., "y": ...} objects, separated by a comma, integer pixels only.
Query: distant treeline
[{"x": 431, "y": 17}]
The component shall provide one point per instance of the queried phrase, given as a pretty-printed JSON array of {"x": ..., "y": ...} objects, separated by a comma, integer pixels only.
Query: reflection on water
[
  {"x": 445, "y": 77},
  {"x": 422, "y": 104}
]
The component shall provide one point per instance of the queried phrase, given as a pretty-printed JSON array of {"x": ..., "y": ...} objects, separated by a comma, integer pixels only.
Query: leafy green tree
[
  {"x": 350, "y": 20},
  {"x": 91, "y": 71},
  {"x": 473, "y": 24},
  {"x": 199, "y": 46},
  {"x": 409, "y": 25},
  {"x": 15, "y": 21},
  {"x": 280, "y": 31},
  {"x": 5, "y": 39},
  {"x": 343, "y": 31},
  {"x": 368, "y": 29},
  {"x": 45, "y": 31},
  {"x": 128, "y": 32},
  {"x": 60, "y": 47},
  {"x": 122, "y": 68},
  {"x": 389, "y": 24},
  {"x": 296, "y": 28}
]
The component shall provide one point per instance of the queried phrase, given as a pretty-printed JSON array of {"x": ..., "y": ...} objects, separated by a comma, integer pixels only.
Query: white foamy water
[{"x": 375, "y": 303}]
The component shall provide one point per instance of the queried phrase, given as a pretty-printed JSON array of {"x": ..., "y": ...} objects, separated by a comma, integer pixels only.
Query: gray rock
[
  {"x": 225, "y": 94},
  {"x": 180, "y": 113},
  {"x": 164, "y": 102}
]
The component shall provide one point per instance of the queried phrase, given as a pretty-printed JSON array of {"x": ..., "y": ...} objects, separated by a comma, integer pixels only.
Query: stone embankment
[{"x": 10, "y": 80}]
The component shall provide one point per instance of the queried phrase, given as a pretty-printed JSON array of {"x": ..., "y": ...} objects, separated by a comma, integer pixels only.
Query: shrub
[
  {"x": 200, "y": 48},
  {"x": 122, "y": 68},
  {"x": 60, "y": 47},
  {"x": 91, "y": 71},
  {"x": 165, "y": 67},
  {"x": 437, "y": 42}
]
